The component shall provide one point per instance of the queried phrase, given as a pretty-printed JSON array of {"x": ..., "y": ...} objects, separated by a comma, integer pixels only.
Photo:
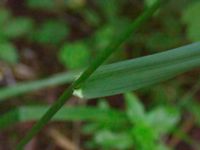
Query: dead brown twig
[{"x": 62, "y": 141}]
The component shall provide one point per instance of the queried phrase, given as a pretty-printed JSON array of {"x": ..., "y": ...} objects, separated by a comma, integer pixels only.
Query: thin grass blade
[
  {"x": 22, "y": 88},
  {"x": 80, "y": 113}
]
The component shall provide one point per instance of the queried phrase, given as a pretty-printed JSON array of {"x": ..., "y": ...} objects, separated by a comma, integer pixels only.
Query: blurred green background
[{"x": 39, "y": 38}]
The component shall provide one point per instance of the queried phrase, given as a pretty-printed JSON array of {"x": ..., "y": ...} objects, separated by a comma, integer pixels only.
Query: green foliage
[
  {"x": 163, "y": 119},
  {"x": 140, "y": 72},
  {"x": 191, "y": 18},
  {"x": 103, "y": 36},
  {"x": 51, "y": 32},
  {"x": 149, "y": 2},
  {"x": 111, "y": 48},
  {"x": 74, "y": 55},
  {"x": 75, "y": 4},
  {"x": 143, "y": 136},
  {"x": 91, "y": 17},
  {"x": 52, "y": 5},
  {"x": 21, "y": 88},
  {"x": 142, "y": 130},
  {"x": 44, "y": 4},
  {"x": 110, "y": 8},
  {"x": 134, "y": 127},
  {"x": 8, "y": 53},
  {"x": 106, "y": 139},
  {"x": 159, "y": 41},
  {"x": 4, "y": 16},
  {"x": 194, "y": 108},
  {"x": 12, "y": 28},
  {"x": 152, "y": 125},
  {"x": 17, "y": 27},
  {"x": 134, "y": 108},
  {"x": 31, "y": 113}
]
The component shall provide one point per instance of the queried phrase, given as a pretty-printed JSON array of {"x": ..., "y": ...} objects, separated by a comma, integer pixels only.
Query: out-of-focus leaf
[
  {"x": 33, "y": 113},
  {"x": 163, "y": 119},
  {"x": 159, "y": 41},
  {"x": 52, "y": 5},
  {"x": 8, "y": 53},
  {"x": 194, "y": 108},
  {"x": 4, "y": 16},
  {"x": 110, "y": 140},
  {"x": 17, "y": 27},
  {"x": 74, "y": 55},
  {"x": 161, "y": 146},
  {"x": 44, "y": 4},
  {"x": 106, "y": 33},
  {"x": 90, "y": 128},
  {"x": 103, "y": 103},
  {"x": 91, "y": 17},
  {"x": 134, "y": 108},
  {"x": 51, "y": 32},
  {"x": 75, "y": 4},
  {"x": 140, "y": 72},
  {"x": 149, "y": 2},
  {"x": 144, "y": 137},
  {"x": 193, "y": 32},
  {"x": 24, "y": 87},
  {"x": 172, "y": 25},
  {"x": 110, "y": 8},
  {"x": 103, "y": 36},
  {"x": 159, "y": 95},
  {"x": 191, "y": 18}
]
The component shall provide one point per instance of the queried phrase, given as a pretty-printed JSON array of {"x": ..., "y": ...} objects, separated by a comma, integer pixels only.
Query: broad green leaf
[
  {"x": 140, "y": 72},
  {"x": 51, "y": 32},
  {"x": 191, "y": 18},
  {"x": 17, "y": 27},
  {"x": 74, "y": 55},
  {"x": 134, "y": 108},
  {"x": 163, "y": 119},
  {"x": 8, "y": 53},
  {"x": 33, "y": 113}
]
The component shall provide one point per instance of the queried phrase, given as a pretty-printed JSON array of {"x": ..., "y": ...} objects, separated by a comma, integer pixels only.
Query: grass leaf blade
[
  {"x": 140, "y": 72},
  {"x": 80, "y": 113}
]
